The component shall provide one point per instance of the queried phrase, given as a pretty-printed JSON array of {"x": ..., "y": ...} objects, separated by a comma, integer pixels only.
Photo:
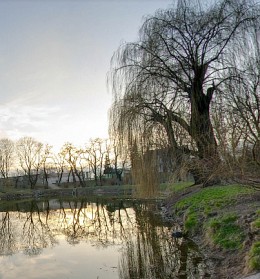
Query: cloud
[
  {"x": 54, "y": 57},
  {"x": 18, "y": 119}
]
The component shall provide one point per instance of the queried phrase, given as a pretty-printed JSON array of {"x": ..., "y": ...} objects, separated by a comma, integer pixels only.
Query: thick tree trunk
[
  {"x": 201, "y": 127},
  {"x": 204, "y": 169}
]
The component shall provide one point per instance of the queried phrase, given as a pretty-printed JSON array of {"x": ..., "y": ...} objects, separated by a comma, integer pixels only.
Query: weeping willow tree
[
  {"x": 137, "y": 138},
  {"x": 144, "y": 170},
  {"x": 169, "y": 77}
]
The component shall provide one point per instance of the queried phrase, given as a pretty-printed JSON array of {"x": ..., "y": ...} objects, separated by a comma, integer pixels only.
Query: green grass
[
  {"x": 12, "y": 190},
  {"x": 191, "y": 222},
  {"x": 198, "y": 207},
  {"x": 212, "y": 197},
  {"x": 254, "y": 254},
  {"x": 256, "y": 223},
  {"x": 225, "y": 232}
]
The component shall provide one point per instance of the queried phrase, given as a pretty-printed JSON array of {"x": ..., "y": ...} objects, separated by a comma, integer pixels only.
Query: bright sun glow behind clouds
[{"x": 54, "y": 57}]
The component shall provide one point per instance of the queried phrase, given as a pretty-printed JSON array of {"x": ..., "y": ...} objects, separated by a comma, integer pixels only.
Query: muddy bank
[{"x": 224, "y": 263}]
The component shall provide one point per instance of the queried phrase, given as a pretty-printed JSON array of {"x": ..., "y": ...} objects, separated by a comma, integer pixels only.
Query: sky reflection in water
[
  {"x": 63, "y": 261},
  {"x": 97, "y": 239}
]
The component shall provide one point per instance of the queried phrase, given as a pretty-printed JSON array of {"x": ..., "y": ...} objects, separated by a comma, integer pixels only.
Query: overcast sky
[{"x": 54, "y": 57}]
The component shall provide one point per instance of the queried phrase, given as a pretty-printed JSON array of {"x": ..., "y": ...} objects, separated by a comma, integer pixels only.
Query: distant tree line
[{"x": 33, "y": 159}]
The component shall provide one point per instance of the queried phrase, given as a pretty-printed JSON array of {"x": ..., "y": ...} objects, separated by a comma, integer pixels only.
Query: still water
[{"x": 97, "y": 238}]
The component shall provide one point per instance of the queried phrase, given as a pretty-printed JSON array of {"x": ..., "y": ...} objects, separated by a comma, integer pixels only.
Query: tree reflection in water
[
  {"x": 39, "y": 224},
  {"x": 98, "y": 222},
  {"x": 151, "y": 253},
  {"x": 147, "y": 250},
  {"x": 36, "y": 233},
  {"x": 7, "y": 237}
]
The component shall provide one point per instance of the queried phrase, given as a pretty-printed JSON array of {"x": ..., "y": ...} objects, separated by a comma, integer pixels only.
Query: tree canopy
[{"x": 169, "y": 78}]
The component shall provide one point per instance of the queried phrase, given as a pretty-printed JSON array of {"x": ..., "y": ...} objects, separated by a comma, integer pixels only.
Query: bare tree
[
  {"x": 169, "y": 77},
  {"x": 6, "y": 157},
  {"x": 95, "y": 155},
  {"x": 73, "y": 157},
  {"x": 118, "y": 160},
  {"x": 244, "y": 92},
  {"x": 60, "y": 165},
  {"x": 231, "y": 134},
  {"x": 30, "y": 154},
  {"x": 46, "y": 157}
]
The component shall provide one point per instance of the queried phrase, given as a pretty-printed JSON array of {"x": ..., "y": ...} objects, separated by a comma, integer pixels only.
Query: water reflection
[
  {"x": 144, "y": 246},
  {"x": 152, "y": 254}
]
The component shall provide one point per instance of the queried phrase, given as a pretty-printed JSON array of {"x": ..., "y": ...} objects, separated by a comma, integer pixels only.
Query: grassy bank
[
  {"x": 9, "y": 193},
  {"x": 224, "y": 220}
]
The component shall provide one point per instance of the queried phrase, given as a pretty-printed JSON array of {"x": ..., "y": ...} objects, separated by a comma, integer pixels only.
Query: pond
[{"x": 92, "y": 238}]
